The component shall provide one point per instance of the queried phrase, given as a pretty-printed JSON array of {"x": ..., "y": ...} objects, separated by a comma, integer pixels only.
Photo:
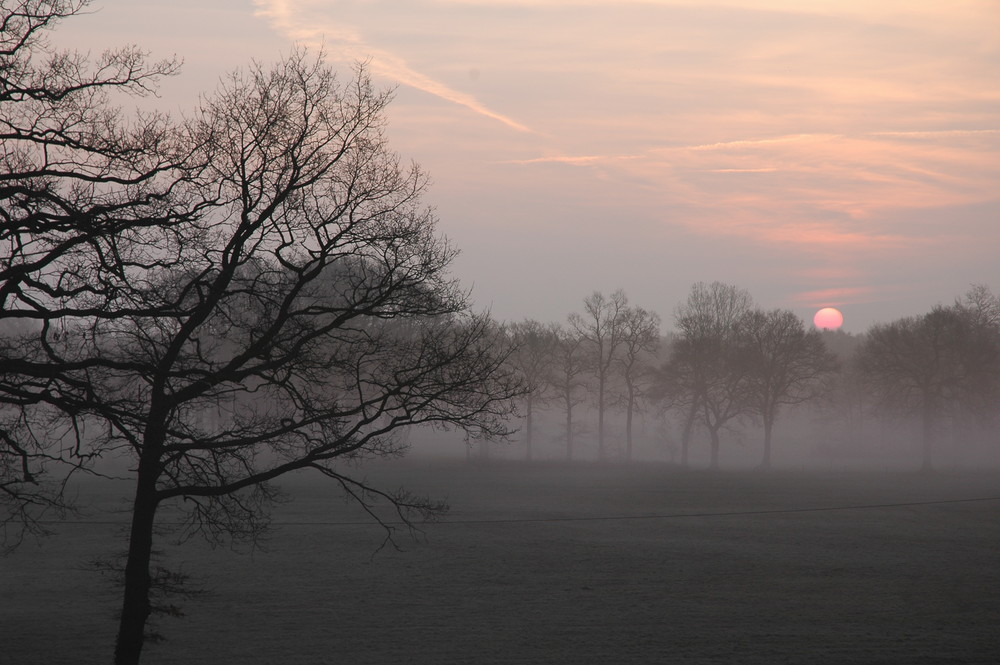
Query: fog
[
  {"x": 919, "y": 392},
  {"x": 816, "y": 437}
]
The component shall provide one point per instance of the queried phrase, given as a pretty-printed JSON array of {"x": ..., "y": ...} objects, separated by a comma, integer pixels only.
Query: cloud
[
  {"x": 576, "y": 160},
  {"x": 838, "y": 296},
  {"x": 760, "y": 170},
  {"x": 763, "y": 143},
  {"x": 938, "y": 133},
  {"x": 294, "y": 20}
]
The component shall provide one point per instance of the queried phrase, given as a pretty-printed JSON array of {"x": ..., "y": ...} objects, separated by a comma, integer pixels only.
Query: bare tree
[
  {"x": 703, "y": 372},
  {"x": 533, "y": 359},
  {"x": 930, "y": 366},
  {"x": 567, "y": 377},
  {"x": 785, "y": 365},
  {"x": 601, "y": 327},
  {"x": 982, "y": 307},
  {"x": 982, "y": 304},
  {"x": 282, "y": 305},
  {"x": 640, "y": 338}
]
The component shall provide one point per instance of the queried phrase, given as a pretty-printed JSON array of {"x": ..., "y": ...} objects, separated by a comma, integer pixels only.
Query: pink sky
[{"x": 816, "y": 153}]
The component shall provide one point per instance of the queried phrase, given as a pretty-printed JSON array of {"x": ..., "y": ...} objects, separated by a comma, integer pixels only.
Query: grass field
[{"x": 729, "y": 567}]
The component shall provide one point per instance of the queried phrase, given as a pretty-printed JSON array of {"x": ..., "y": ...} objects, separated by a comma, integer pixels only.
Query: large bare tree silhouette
[{"x": 254, "y": 291}]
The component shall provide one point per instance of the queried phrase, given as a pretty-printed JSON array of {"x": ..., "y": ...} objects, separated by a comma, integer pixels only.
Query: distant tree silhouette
[
  {"x": 982, "y": 307},
  {"x": 785, "y": 365},
  {"x": 640, "y": 338},
  {"x": 932, "y": 366},
  {"x": 600, "y": 326},
  {"x": 569, "y": 366},
  {"x": 533, "y": 359},
  {"x": 254, "y": 292},
  {"x": 703, "y": 373}
]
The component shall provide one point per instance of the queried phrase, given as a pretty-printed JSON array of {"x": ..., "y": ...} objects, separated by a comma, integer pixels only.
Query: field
[{"x": 688, "y": 567}]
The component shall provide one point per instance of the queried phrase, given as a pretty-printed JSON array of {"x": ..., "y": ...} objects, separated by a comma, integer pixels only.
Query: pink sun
[{"x": 828, "y": 318}]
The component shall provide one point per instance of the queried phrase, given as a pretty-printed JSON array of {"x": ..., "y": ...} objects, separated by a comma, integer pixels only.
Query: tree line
[{"x": 729, "y": 363}]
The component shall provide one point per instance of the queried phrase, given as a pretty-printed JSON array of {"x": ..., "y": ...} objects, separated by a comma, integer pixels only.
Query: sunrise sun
[{"x": 828, "y": 318}]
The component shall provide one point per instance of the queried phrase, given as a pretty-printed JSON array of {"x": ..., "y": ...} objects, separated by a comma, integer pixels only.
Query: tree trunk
[
  {"x": 527, "y": 426},
  {"x": 686, "y": 434},
  {"x": 569, "y": 432},
  {"x": 628, "y": 427},
  {"x": 715, "y": 448},
  {"x": 600, "y": 419},
  {"x": 135, "y": 601},
  {"x": 765, "y": 463}
]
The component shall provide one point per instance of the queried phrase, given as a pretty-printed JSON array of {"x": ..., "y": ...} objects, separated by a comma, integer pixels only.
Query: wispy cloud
[
  {"x": 940, "y": 133},
  {"x": 839, "y": 296},
  {"x": 763, "y": 143},
  {"x": 834, "y": 239},
  {"x": 576, "y": 160},
  {"x": 760, "y": 170},
  {"x": 294, "y": 20}
]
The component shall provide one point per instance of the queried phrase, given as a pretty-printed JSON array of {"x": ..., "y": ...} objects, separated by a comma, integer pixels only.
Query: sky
[{"x": 817, "y": 153}]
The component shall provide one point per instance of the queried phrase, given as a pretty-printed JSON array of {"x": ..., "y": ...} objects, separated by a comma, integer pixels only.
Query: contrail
[{"x": 282, "y": 16}]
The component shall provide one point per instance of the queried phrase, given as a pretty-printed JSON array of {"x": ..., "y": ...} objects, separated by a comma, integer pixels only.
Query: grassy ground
[{"x": 724, "y": 578}]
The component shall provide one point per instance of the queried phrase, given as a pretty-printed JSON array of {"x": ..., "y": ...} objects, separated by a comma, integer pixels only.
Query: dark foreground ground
[{"x": 722, "y": 574}]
